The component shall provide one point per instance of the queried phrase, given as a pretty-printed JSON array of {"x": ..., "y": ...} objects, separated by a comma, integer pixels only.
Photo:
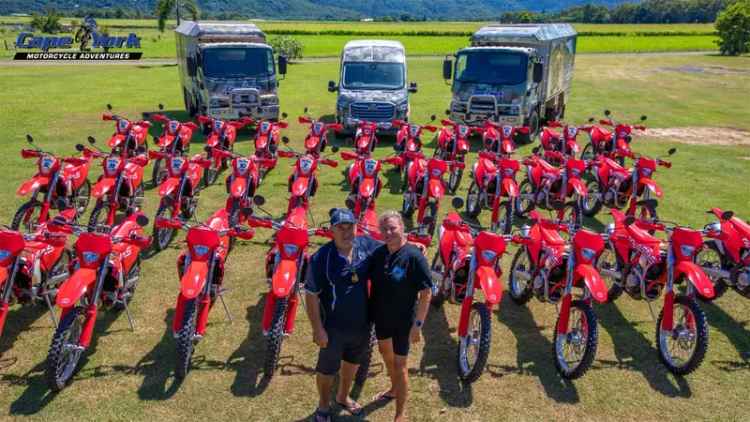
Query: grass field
[{"x": 128, "y": 376}]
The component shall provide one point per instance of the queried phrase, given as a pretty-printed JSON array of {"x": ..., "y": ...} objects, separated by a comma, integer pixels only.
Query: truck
[
  {"x": 518, "y": 75},
  {"x": 372, "y": 84},
  {"x": 227, "y": 70}
]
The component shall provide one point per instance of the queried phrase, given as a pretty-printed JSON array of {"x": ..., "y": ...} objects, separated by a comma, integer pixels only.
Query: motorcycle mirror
[
  {"x": 535, "y": 150},
  {"x": 432, "y": 118},
  {"x": 91, "y": 140},
  {"x": 80, "y": 147},
  {"x": 305, "y": 110},
  {"x": 727, "y": 215},
  {"x": 672, "y": 151},
  {"x": 457, "y": 202},
  {"x": 285, "y": 139},
  {"x": 643, "y": 118},
  {"x": 607, "y": 113},
  {"x": 247, "y": 211},
  {"x": 591, "y": 120},
  {"x": 161, "y": 106},
  {"x": 447, "y": 112},
  {"x": 259, "y": 200},
  {"x": 109, "y": 107},
  {"x": 335, "y": 148},
  {"x": 283, "y": 115},
  {"x": 349, "y": 203},
  {"x": 156, "y": 139},
  {"x": 29, "y": 139},
  {"x": 142, "y": 220},
  {"x": 629, "y": 220}
]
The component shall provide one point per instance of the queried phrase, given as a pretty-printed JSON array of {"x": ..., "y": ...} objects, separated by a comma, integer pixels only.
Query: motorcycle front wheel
[
  {"x": 575, "y": 349},
  {"x": 474, "y": 349}
]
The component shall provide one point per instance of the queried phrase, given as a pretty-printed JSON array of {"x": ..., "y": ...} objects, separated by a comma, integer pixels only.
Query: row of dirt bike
[{"x": 103, "y": 267}]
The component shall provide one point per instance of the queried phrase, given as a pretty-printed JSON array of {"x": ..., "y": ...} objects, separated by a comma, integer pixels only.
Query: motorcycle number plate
[
  {"x": 217, "y": 125},
  {"x": 488, "y": 255},
  {"x": 90, "y": 257},
  {"x": 112, "y": 164},
  {"x": 318, "y": 128},
  {"x": 290, "y": 249},
  {"x": 370, "y": 166},
  {"x": 437, "y": 172},
  {"x": 173, "y": 126},
  {"x": 507, "y": 131},
  {"x": 4, "y": 254},
  {"x": 47, "y": 163},
  {"x": 413, "y": 130},
  {"x": 242, "y": 165},
  {"x": 200, "y": 250},
  {"x": 572, "y": 132},
  {"x": 177, "y": 164},
  {"x": 305, "y": 165},
  {"x": 122, "y": 125},
  {"x": 264, "y": 127},
  {"x": 463, "y": 130}
]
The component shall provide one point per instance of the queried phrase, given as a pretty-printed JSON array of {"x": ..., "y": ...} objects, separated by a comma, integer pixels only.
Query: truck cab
[
  {"x": 372, "y": 84},
  {"x": 227, "y": 70},
  {"x": 518, "y": 75}
]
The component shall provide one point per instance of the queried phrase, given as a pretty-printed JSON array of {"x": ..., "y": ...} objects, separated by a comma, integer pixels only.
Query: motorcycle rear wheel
[{"x": 27, "y": 216}]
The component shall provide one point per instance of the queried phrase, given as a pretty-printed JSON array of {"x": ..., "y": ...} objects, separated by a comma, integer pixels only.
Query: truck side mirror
[
  {"x": 447, "y": 69},
  {"x": 331, "y": 86},
  {"x": 538, "y": 72},
  {"x": 282, "y": 65},
  {"x": 191, "y": 66},
  {"x": 413, "y": 87}
]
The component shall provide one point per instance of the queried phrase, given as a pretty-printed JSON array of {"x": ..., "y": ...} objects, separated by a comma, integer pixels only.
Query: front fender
[
  {"x": 116, "y": 140},
  {"x": 436, "y": 188},
  {"x": 299, "y": 187},
  {"x": 166, "y": 140},
  {"x": 491, "y": 286},
  {"x": 194, "y": 279},
  {"x": 75, "y": 286},
  {"x": 102, "y": 187},
  {"x": 32, "y": 185},
  {"x": 168, "y": 186},
  {"x": 367, "y": 188},
  {"x": 510, "y": 187},
  {"x": 578, "y": 187},
  {"x": 239, "y": 185},
  {"x": 651, "y": 185},
  {"x": 696, "y": 277},
  {"x": 593, "y": 281},
  {"x": 284, "y": 277},
  {"x": 3, "y": 276}
]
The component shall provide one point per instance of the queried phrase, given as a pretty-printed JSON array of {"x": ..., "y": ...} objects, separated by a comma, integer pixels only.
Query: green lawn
[{"x": 128, "y": 376}]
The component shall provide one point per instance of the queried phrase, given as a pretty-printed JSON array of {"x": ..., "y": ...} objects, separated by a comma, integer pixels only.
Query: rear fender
[
  {"x": 32, "y": 185},
  {"x": 194, "y": 279},
  {"x": 696, "y": 277},
  {"x": 491, "y": 286},
  {"x": 593, "y": 281},
  {"x": 168, "y": 186},
  {"x": 75, "y": 286},
  {"x": 284, "y": 278}
]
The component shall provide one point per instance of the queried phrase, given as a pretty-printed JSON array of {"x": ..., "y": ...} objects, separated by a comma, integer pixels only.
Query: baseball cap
[{"x": 342, "y": 216}]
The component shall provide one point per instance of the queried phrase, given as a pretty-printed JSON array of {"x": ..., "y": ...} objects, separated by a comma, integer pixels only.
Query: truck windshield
[
  {"x": 491, "y": 67},
  {"x": 371, "y": 75},
  {"x": 237, "y": 62}
]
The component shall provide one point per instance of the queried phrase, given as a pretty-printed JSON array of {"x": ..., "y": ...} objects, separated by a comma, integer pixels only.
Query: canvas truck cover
[{"x": 213, "y": 32}]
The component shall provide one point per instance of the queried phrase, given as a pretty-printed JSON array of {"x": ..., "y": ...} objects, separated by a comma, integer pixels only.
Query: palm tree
[{"x": 165, "y": 7}]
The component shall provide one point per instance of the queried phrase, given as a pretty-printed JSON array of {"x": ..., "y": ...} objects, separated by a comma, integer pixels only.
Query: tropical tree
[
  {"x": 164, "y": 8},
  {"x": 733, "y": 25}
]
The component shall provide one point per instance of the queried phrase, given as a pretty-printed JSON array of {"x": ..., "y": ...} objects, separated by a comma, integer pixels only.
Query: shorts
[
  {"x": 398, "y": 335},
  {"x": 342, "y": 345}
]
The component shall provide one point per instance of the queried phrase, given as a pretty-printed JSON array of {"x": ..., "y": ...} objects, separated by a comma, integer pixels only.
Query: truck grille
[
  {"x": 482, "y": 105},
  {"x": 244, "y": 97},
  {"x": 375, "y": 112}
]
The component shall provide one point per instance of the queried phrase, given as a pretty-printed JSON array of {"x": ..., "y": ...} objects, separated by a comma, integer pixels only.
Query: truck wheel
[{"x": 533, "y": 125}]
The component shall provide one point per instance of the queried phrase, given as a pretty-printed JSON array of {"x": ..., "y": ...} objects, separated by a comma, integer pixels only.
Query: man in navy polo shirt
[{"x": 336, "y": 295}]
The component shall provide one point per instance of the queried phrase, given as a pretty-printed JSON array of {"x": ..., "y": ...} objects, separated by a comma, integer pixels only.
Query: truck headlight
[
  {"x": 269, "y": 100},
  {"x": 403, "y": 106},
  {"x": 219, "y": 102}
]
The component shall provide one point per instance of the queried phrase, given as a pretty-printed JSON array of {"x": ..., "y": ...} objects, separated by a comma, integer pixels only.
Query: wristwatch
[{"x": 418, "y": 323}]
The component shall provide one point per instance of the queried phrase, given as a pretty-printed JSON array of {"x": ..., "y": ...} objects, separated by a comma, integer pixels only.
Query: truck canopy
[
  {"x": 214, "y": 32},
  {"x": 374, "y": 51},
  {"x": 523, "y": 35}
]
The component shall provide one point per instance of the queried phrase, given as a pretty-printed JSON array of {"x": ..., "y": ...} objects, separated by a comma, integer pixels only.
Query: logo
[
  {"x": 687, "y": 250},
  {"x": 4, "y": 254},
  {"x": 488, "y": 255},
  {"x": 112, "y": 164},
  {"x": 242, "y": 165},
  {"x": 90, "y": 257},
  {"x": 397, "y": 274},
  {"x": 200, "y": 250},
  {"x": 87, "y": 37},
  {"x": 290, "y": 249},
  {"x": 372, "y": 107},
  {"x": 305, "y": 165},
  {"x": 588, "y": 254},
  {"x": 370, "y": 166}
]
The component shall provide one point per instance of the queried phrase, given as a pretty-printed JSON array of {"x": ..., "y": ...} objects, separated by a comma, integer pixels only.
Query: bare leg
[
  {"x": 400, "y": 381},
  {"x": 346, "y": 378},
  {"x": 386, "y": 351}
]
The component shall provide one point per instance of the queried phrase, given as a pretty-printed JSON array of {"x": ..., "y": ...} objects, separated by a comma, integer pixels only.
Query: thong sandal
[
  {"x": 384, "y": 396},
  {"x": 322, "y": 416},
  {"x": 354, "y": 408}
]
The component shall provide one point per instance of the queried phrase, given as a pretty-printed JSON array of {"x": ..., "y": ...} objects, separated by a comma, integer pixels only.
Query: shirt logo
[{"x": 397, "y": 274}]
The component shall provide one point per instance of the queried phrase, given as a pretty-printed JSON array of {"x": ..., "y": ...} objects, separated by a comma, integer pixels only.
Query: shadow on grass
[
  {"x": 439, "y": 359},
  {"x": 156, "y": 366},
  {"x": 736, "y": 331},
  {"x": 535, "y": 354},
  {"x": 247, "y": 360},
  {"x": 18, "y": 321},
  {"x": 635, "y": 352}
]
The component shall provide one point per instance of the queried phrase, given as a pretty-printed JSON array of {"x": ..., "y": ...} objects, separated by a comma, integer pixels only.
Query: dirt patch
[
  {"x": 702, "y": 135},
  {"x": 716, "y": 70}
]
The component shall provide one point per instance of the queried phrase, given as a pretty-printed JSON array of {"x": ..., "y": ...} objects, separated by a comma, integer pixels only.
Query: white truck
[
  {"x": 227, "y": 70},
  {"x": 513, "y": 74},
  {"x": 372, "y": 84}
]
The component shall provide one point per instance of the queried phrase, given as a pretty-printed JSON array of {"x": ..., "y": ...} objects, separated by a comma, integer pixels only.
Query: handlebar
[
  {"x": 329, "y": 162},
  {"x": 160, "y": 118},
  {"x": 30, "y": 153}
]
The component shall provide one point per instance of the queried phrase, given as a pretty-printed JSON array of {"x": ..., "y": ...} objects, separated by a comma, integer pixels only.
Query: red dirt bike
[
  {"x": 105, "y": 271},
  {"x": 303, "y": 183},
  {"x": 174, "y": 139},
  {"x": 365, "y": 137},
  {"x": 453, "y": 145},
  {"x": 178, "y": 191},
  {"x": 565, "y": 143},
  {"x": 616, "y": 144},
  {"x": 286, "y": 263},
  {"x": 32, "y": 266},
  {"x": 409, "y": 139},
  {"x": 617, "y": 187},
  {"x": 363, "y": 179},
  {"x": 725, "y": 256},
  {"x": 425, "y": 187},
  {"x": 549, "y": 268},
  {"x": 222, "y": 135},
  {"x": 201, "y": 272},
  {"x": 130, "y": 137},
  {"x": 120, "y": 187},
  {"x": 499, "y": 138},
  {"x": 316, "y": 139},
  {"x": 550, "y": 187},
  {"x": 267, "y": 139},
  {"x": 62, "y": 182},
  {"x": 493, "y": 180},
  {"x": 243, "y": 182},
  {"x": 635, "y": 262},
  {"x": 467, "y": 260}
]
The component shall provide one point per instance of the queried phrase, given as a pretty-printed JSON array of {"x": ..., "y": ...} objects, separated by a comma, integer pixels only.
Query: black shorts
[
  {"x": 342, "y": 345},
  {"x": 399, "y": 335}
]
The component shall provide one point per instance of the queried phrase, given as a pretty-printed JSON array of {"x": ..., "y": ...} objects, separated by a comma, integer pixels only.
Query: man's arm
[
  {"x": 423, "y": 276},
  {"x": 320, "y": 337}
]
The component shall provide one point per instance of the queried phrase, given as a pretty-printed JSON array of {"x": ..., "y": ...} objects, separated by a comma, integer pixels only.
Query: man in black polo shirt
[
  {"x": 336, "y": 294},
  {"x": 400, "y": 275}
]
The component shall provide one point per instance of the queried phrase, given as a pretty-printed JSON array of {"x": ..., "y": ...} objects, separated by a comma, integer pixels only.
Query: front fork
[
  {"x": 91, "y": 309},
  {"x": 667, "y": 322},
  {"x": 468, "y": 301},
  {"x": 5, "y": 302},
  {"x": 564, "y": 319}
]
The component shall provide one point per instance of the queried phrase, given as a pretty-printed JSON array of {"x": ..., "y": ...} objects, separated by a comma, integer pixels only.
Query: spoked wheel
[
  {"x": 712, "y": 261},
  {"x": 163, "y": 235},
  {"x": 186, "y": 339},
  {"x": 683, "y": 348},
  {"x": 158, "y": 173},
  {"x": 473, "y": 207},
  {"x": 364, "y": 367},
  {"x": 647, "y": 212},
  {"x": 438, "y": 296},
  {"x": 571, "y": 213},
  {"x": 504, "y": 222},
  {"x": 611, "y": 271},
  {"x": 275, "y": 338},
  {"x": 432, "y": 211},
  {"x": 575, "y": 349},
  {"x": 98, "y": 215},
  {"x": 525, "y": 200},
  {"x": 212, "y": 172},
  {"x": 407, "y": 207},
  {"x": 588, "y": 152},
  {"x": 454, "y": 180},
  {"x": 474, "y": 349},
  {"x": 592, "y": 203},
  {"x": 82, "y": 197},
  {"x": 64, "y": 352},
  {"x": 520, "y": 277},
  {"x": 27, "y": 216}
]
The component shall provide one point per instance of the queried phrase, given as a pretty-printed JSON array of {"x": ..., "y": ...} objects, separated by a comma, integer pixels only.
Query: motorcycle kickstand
[
  {"x": 51, "y": 310},
  {"x": 127, "y": 313},
  {"x": 224, "y": 305}
]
